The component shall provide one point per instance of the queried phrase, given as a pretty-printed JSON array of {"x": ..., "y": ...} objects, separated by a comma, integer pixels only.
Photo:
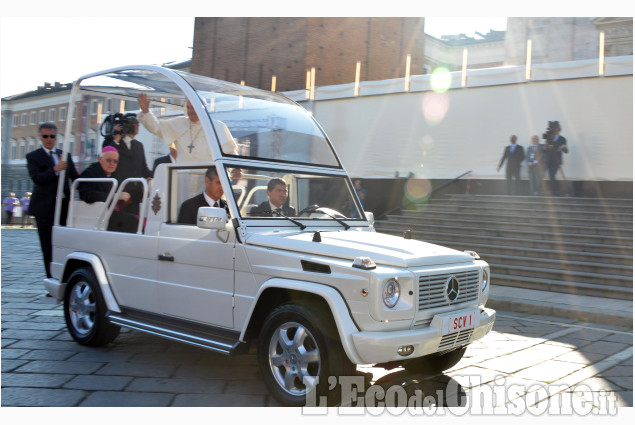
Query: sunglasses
[{"x": 46, "y": 136}]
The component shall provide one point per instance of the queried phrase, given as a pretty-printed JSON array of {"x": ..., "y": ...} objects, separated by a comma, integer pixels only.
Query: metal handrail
[{"x": 401, "y": 206}]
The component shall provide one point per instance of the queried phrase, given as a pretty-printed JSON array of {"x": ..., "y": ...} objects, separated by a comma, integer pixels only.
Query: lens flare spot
[
  {"x": 435, "y": 106},
  {"x": 441, "y": 79},
  {"x": 417, "y": 191}
]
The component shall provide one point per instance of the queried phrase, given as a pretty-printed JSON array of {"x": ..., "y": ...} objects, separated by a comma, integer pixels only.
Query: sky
[{"x": 39, "y": 49}]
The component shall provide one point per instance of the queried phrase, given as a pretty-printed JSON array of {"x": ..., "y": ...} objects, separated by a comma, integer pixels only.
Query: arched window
[
  {"x": 22, "y": 149},
  {"x": 13, "y": 153},
  {"x": 32, "y": 144}
]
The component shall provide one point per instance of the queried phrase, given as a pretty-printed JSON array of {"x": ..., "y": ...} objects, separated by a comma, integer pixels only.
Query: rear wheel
[
  {"x": 297, "y": 352},
  {"x": 434, "y": 364},
  {"x": 85, "y": 310}
]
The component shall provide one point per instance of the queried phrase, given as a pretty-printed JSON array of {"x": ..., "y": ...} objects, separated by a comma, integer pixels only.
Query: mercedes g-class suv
[{"x": 317, "y": 288}]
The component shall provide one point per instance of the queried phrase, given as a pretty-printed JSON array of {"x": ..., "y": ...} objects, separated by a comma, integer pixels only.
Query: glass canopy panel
[{"x": 262, "y": 124}]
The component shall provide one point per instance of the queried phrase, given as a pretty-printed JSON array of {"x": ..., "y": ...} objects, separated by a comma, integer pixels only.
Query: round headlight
[
  {"x": 391, "y": 293},
  {"x": 485, "y": 279}
]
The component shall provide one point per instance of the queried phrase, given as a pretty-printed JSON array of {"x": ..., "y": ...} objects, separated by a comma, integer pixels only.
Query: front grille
[
  {"x": 456, "y": 339},
  {"x": 432, "y": 289}
]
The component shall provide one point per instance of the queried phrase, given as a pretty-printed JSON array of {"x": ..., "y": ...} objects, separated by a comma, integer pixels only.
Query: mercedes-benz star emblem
[{"x": 452, "y": 288}]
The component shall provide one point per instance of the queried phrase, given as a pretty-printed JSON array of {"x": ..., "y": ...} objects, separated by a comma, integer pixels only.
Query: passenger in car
[
  {"x": 211, "y": 197},
  {"x": 276, "y": 205},
  {"x": 91, "y": 192}
]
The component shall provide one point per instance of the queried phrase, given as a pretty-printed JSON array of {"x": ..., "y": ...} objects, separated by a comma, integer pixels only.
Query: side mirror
[
  {"x": 370, "y": 217},
  {"x": 211, "y": 218}
]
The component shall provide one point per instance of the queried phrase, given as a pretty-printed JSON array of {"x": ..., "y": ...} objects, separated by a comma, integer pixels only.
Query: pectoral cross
[{"x": 191, "y": 146}]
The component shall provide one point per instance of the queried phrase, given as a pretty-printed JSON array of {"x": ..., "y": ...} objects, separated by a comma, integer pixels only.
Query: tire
[
  {"x": 297, "y": 342},
  {"x": 434, "y": 364},
  {"x": 85, "y": 310}
]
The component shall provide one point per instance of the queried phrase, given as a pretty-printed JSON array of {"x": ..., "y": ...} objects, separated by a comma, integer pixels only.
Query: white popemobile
[{"x": 320, "y": 291}]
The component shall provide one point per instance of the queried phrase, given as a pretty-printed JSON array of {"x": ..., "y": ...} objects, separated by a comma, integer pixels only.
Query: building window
[
  {"x": 42, "y": 116},
  {"x": 108, "y": 106},
  {"x": 74, "y": 112},
  {"x": 14, "y": 148},
  {"x": 62, "y": 113},
  {"x": 16, "y": 120},
  {"x": 22, "y": 152},
  {"x": 52, "y": 115},
  {"x": 32, "y": 144},
  {"x": 33, "y": 116},
  {"x": 24, "y": 119},
  {"x": 94, "y": 107}
]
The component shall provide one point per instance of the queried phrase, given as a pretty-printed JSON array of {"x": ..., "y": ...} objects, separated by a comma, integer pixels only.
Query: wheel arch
[
  {"x": 77, "y": 260},
  {"x": 276, "y": 292}
]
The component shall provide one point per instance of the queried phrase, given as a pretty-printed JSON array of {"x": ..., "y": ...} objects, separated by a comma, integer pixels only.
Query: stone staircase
[{"x": 581, "y": 246}]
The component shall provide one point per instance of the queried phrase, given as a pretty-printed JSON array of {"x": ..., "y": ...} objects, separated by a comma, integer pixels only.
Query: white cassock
[{"x": 188, "y": 137}]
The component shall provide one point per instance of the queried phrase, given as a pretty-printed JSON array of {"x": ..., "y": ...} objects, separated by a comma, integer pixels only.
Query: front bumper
[{"x": 381, "y": 347}]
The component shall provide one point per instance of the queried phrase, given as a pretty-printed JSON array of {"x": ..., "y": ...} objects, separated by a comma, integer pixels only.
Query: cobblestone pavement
[{"x": 42, "y": 366}]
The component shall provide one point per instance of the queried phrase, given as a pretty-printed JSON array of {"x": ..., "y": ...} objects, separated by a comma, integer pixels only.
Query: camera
[
  {"x": 548, "y": 135},
  {"x": 127, "y": 122}
]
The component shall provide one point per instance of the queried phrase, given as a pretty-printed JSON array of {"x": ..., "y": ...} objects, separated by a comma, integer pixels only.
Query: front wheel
[
  {"x": 85, "y": 310},
  {"x": 297, "y": 352}
]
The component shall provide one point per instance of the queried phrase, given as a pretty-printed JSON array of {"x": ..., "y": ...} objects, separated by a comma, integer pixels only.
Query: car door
[{"x": 195, "y": 273}]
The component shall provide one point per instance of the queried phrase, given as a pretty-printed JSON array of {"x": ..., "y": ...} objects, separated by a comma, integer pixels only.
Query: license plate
[{"x": 460, "y": 321}]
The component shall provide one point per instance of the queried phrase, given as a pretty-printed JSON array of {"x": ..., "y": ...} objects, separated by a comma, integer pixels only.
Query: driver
[{"x": 276, "y": 205}]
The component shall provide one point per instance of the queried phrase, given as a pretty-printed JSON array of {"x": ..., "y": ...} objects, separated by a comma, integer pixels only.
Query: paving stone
[
  {"x": 205, "y": 372},
  {"x": 604, "y": 347},
  {"x": 5, "y": 342},
  {"x": 582, "y": 358},
  {"x": 101, "y": 355},
  {"x": 247, "y": 387},
  {"x": 549, "y": 371},
  {"x": 623, "y": 338},
  {"x": 137, "y": 369},
  {"x": 42, "y": 326},
  {"x": 591, "y": 334},
  {"x": 98, "y": 383},
  {"x": 39, "y": 380},
  {"x": 624, "y": 382},
  {"x": 41, "y": 397},
  {"x": 29, "y": 334},
  {"x": 9, "y": 365},
  {"x": 38, "y": 344},
  {"x": 178, "y": 385},
  {"x": 127, "y": 399},
  {"x": 13, "y": 353},
  {"x": 219, "y": 400},
  {"x": 48, "y": 355},
  {"x": 44, "y": 366}
]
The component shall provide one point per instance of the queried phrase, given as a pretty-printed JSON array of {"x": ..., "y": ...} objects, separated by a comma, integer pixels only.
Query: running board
[{"x": 209, "y": 341}]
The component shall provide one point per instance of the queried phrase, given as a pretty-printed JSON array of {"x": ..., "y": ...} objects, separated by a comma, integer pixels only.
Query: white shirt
[
  {"x": 188, "y": 137},
  {"x": 210, "y": 201}
]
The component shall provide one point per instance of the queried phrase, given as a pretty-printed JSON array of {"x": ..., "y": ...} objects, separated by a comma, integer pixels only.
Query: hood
[{"x": 383, "y": 249}]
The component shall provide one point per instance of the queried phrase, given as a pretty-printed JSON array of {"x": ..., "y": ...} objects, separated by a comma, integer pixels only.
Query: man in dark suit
[
  {"x": 45, "y": 165},
  {"x": 210, "y": 198},
  {"x": 276, "y": 206},
  {"x": 553, "y": 150},
  {"x": 166, "y": 159},
  {"x": 514, "y": 154}
]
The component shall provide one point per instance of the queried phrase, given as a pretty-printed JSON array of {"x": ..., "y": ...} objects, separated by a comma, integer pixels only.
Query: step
[
  {"x": 488, "y": 218},
  {"x": 498, "y": 211},
  {"x": 605, "y": 269},
  {"x": 468, "y": 240},
  {"x": 519, "y": 232},
  {"x": 541, "y": 203},
  {"x": 510, "y": 225},
  {"x": 565, "y": 275},
  {"x": 485, "y": 250},
  {"x": 622, "y": 202},
  {"x": 576, "y": 288}
]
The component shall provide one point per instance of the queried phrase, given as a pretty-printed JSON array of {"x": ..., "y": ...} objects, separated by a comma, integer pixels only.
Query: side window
[{"x": 185, "y": 184}]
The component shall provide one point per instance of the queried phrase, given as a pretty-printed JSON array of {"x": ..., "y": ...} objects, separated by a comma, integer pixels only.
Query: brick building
[{"x": 255, "y": 49}]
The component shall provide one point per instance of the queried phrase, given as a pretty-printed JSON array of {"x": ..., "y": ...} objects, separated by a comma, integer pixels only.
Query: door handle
[{"x": 166, "y": 257}]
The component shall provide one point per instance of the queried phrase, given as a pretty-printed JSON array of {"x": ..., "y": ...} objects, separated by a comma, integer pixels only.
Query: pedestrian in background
[
  {"x": 45, "y": 166},
  {"x": 514, "y": 154},
  {"x": 554, "y": 148},
  {"x": 9, "y": 204},
  {"x": 535, "y": 166},
  {"x": 25, "y": 201}
]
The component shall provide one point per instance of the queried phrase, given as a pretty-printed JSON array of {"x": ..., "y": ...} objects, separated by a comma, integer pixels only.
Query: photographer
[
  {"x": 553, "y": 149},
  {"x": 119, "y": 131}
]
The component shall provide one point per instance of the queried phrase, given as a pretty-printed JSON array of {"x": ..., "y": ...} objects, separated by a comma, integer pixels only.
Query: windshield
[
  {"x": 262, "y": 124},
  {"x": 274, "y": 194}
]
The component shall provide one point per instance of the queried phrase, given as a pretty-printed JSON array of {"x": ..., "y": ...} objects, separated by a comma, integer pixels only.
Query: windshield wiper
[
  {"x": 277, "y": 213},
  {"x": 315, "y": 208}
]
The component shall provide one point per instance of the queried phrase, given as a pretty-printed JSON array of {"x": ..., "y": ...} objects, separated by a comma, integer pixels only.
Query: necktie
[
  {"x": 216, "y": 204},
  {"x": 279, "y": 211}
]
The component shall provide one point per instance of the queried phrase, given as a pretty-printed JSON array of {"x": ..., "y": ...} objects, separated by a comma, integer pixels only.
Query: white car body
[{"x": 212, "y": 278}]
